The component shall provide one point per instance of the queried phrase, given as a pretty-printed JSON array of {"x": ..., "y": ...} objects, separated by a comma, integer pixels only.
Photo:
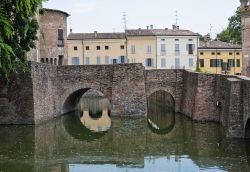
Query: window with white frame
[
  {"x": 132, "y": 49},
  {"x": 177, "y": 49},
  {"x": 87, "y": 61},
  {"x": 149, "y": 49},
  {"x": 98, "y": 60},
  {"x": 177, "y": 63},
  {"x": 163, "y": 49},
  {"x": 106, "y": 59},
  {"x": 191, "y": 62},
  {"x": 75, "y": 61},
  {"x": 163, "y": 62},
  {"x": 133, "y": 60},
  {"x": 149, "y": 62}
]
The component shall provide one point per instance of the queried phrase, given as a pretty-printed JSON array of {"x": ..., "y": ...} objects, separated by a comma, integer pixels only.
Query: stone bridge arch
[{"x": 71, "y": 97}]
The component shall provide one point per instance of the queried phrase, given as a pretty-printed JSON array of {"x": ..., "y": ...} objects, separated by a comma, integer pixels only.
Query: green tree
[
  {"x": 233, "y": 31},
  {"x": 18, "y": 29}
]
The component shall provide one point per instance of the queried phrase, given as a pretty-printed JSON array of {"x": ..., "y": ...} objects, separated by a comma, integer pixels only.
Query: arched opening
[
  {"x": 161, "y": 112},
  {"x": 51, "y": 61},
  {"x": 247, "y": 129},
  {"x": 42, "y": 60},
  {"x": 55, "y": 61},
  {"x": 47, "y": 60}
]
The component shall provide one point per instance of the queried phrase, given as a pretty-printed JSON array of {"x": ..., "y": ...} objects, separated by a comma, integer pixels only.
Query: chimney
[
  {"x": 151, "y": 26},
  {"x": 139, "y": 30},
  {"x": 147, "y": 27},
  {"x": 174, "y": 27},
  {"x": 95, "y": 32}
]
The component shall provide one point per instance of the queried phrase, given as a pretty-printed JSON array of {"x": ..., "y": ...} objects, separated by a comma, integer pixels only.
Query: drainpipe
[{"x": 234, "y": 61}]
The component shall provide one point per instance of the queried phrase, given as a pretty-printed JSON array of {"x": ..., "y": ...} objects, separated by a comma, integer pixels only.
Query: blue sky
[{"x": 105, "y": 15}]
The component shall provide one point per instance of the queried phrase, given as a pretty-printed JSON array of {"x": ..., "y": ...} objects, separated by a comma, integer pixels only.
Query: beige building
[
  {"x": 220, "y": 58},
  {"x": 96, "y": 48},
  {"x": 142, "y": 47}
]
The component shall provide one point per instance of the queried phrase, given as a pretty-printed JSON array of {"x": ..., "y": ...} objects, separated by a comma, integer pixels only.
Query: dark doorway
[
  {"x": 60, "y": 63},
  {"x": 247, "y": 129}
]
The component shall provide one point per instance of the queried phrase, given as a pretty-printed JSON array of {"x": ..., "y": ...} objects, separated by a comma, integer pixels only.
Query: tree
[
  {"x": 18, "y": 29},
  {"x": 233, "y": 32}
]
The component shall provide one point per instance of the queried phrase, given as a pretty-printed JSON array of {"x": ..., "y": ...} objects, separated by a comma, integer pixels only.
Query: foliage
[
  {"x": 233, "y": 32},
  {"x": 18, "y": 29},
  {"x": 198, "y": 69}
]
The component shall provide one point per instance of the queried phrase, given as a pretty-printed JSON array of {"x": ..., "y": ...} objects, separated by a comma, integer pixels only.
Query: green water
[
  {"x": 130, "y": 145},
  {"x": 164, "y": 142}
]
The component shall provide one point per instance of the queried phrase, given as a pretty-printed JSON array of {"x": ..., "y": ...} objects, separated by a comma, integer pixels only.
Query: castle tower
[{"x": 245, "y": 22}]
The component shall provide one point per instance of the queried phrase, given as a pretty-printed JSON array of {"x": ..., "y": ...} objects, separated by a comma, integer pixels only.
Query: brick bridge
[{"x": 50, "y": 91}]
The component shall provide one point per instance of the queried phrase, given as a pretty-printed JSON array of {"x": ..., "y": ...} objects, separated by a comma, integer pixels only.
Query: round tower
[{"x": 245, "y": 25}]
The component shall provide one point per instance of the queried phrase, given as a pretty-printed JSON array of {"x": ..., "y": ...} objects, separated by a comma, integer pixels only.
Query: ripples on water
[{"x": 88, "y": 140}]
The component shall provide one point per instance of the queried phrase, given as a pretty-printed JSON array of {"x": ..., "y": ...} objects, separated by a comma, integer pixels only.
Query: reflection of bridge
[{"x": 53, "y": 90}]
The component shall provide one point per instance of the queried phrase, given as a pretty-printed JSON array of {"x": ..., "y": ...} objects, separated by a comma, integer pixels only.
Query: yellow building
[
  {"x": 96, "y": 48},
  {"x": 142, "y": 47},
  {"x": 220, "y": 57}
]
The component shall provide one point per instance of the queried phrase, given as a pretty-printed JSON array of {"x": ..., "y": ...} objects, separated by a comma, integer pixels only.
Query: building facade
[
  {"x": 96, "y": 48},
  {"x": 154, "y": 48},
  {"x": 51, "y": 46},
  {"x": 220, "y": 58},
  {"x": 245, "y": 26}
]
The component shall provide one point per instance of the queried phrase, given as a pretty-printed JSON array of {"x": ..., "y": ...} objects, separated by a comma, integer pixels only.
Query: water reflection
[{"x": 161, "y": 115}]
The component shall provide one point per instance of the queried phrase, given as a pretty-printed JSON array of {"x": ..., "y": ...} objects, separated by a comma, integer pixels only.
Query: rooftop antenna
[
  {"x": 176, "y": 18},
  {"x": 124, "y": 20},
  {"x": 70, "y": 25},
  {"x": 211, "y": 29}
]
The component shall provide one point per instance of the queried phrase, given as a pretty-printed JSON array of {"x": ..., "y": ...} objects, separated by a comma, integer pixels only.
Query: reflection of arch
[
  {"x": 247, "y": 129},
  {"x": 71, "y": 101},
  {"x": 161, "y": 112},
  {"x": 74, "y": 127},
  {"x": 97, "y": 125}
]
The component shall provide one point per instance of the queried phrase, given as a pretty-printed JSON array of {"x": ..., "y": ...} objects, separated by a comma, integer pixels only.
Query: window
[
  {"x": 75, "y": 48},
  {"x": 190, "y": 48},
  {"x": 106, "y": 47},
  {"x": 230, "y": 53},
  {"x": 176, "y": 39},
  {"x": 162, "y": 39},
  {"x": 215, "y": 63},
  {"x": 98, "y": 60},
  {"x": 106, "y": 59},
  {"x": 238, "y": 62},
  {"x": 87, "y": 61},
  {"x": 177, "y": 63},
  {"x": 60, "y": 61},
  {"x": 149, "y": 62},
  {"x": 163, "y": 62},
  {"x": 177, "y": 49},
  {"x": 218, "y": 53},
  {"x": 133, "y": 60},
  {"x": 201, "y": 53},
  {"x": 122, "y": 59},
  {"x": 60, "y": 40},
  {"x": 75, "y": 61},
  {"x": 190, "y": 39},
  {"x": 149, "y": 49},
  {"x": 237, "y": 53},
  {"x": 191, "y": 62},
  {"x": 98, "y": 47},
  {"x": 87, "y": 48},
  {"x": 114, "y": 61},
  {"x": 163, "y": 49},
  {"x": 132, "y": 49},
  {"x": 231, "y": 63},
  {"x": 213, "y": 53},
  {"x": 201, "y": 62},
  {"x": 122, "y": 47}
]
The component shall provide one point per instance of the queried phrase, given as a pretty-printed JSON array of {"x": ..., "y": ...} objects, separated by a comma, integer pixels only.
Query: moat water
[{"x": 92, "y": 141}]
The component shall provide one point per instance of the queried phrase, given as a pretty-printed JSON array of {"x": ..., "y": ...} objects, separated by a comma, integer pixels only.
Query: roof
[
  {"x": 160, "y": 32},
  {"x": 58, "y": 11},
  {"x": 82, "y": 36},
  {"x": 218, "y": 45}
]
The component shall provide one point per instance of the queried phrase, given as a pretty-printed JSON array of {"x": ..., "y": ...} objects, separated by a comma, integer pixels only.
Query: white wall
[{"x": 170, "y": 56}]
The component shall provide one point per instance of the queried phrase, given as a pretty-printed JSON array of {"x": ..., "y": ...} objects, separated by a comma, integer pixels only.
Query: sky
[{"x": 106, "y": 15}]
